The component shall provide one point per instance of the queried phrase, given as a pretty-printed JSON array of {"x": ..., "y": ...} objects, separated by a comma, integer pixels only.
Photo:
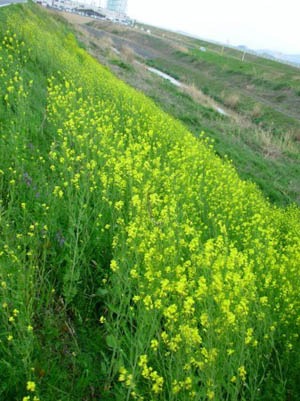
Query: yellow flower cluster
[
  {"x": 203, "y": 276},
  {"x": 151, "y": 375},
  {"x": 207, "y": 255}
]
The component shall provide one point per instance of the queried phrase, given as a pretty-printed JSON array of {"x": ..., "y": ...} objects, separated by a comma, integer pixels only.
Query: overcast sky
[{"x": 258, "y": 24}]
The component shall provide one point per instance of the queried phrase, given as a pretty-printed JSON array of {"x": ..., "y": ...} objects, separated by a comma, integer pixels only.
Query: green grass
[
  {"x": 277, "y": 175},
  {"x": 221, "y": 85},
  {"x": 265, "y": 147},
  {"x": 121, "y": 64},
  {"x": 135, "y": 264}
]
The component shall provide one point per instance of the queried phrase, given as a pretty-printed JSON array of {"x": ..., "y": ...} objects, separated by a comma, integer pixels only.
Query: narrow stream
[
  {"x": 165, "y": 76},
  {"x": 221, "y": 111},
  {"x": 179, "y": 84}
]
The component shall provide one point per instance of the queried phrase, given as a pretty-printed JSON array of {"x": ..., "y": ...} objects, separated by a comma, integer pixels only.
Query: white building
[{"x": 118, "y": 6}]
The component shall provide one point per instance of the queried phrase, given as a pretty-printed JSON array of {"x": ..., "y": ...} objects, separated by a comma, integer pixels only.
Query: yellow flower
[
  {"x": 123, "y": 374},
  {"x": 154, "y": 344},
  {"x": 30, "y": 386},
  {"x": 114, "y": 266},
  {"x": 242, "y": 373}
]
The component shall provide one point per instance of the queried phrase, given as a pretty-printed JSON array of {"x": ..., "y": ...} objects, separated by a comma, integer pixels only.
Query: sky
[{"x": 257, "y": 24}]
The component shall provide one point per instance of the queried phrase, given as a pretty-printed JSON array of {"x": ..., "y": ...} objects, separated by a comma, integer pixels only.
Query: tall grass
[{"x": 135, "y": 264}]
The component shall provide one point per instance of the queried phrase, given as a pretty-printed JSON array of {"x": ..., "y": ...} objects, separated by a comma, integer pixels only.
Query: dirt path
[
  {"x": 142, "y": 51},
  {"x": 76, "y": 19}
]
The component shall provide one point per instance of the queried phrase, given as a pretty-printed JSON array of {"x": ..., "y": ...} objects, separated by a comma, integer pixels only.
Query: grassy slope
[
  {"x": 276, "y": 83},
  {"x": 261, "y": 141},
  {"x": 111, "y": 209}
]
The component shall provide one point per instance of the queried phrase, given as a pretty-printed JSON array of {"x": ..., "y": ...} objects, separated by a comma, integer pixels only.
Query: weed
[
  {"x": 128, "y": 53},
  {"x": 232, "y": 101}
]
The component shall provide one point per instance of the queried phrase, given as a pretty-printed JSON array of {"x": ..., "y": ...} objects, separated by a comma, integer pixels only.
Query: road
[
  {"x": 8, "y": 2},
  {"x": 142, "y": 51}
]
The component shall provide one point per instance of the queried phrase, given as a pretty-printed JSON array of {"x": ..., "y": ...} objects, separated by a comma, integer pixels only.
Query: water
[
  {"x": 179, "y": 84},
  {"x": 165, "y": 76},
  {"x": 221, "y": 111}
]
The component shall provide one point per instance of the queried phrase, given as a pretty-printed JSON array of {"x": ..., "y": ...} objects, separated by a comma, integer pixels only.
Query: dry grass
[
  {"x": 76, "y": 19},
  {"x": 267, "y": 142},
  {"x": 128, "y": 53},
  {"x": 106, "y": 42},
  {"x": 256, "y": 111},
  {"x": 232, "y": 100},
  {"x": 271, "y": 76},
  {"x": 296, "y": 135},
  {"x": 274, "y": 146},
  {"x": 197, "y": 95},
  {"x": 180, "y": 48}
]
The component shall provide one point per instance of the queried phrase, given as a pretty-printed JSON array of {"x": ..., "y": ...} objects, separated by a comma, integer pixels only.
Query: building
[{"x": 118, "y": 6}]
